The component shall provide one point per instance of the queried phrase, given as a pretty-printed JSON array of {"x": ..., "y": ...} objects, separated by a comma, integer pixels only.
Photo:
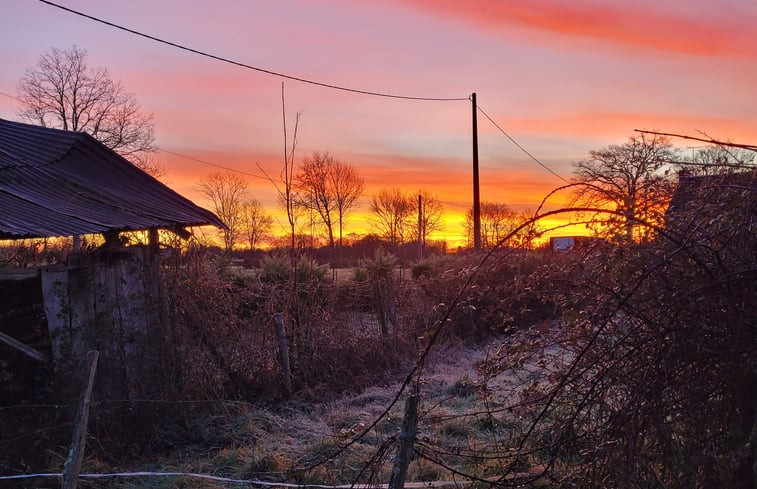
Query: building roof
[
  {"x": 709, "y": 204},
  {"x": 64, "y": 183}
]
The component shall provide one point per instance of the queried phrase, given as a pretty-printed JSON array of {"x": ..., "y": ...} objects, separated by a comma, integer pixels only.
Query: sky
[{"x": 560, "y": 78}]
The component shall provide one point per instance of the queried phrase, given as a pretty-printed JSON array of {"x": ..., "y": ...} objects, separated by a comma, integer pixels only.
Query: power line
[
  {"x": 216, "y": 165},
  {"x": 10, "y": 96},
  {"x": 550, "y": 170},
  {"x": 247, "y": 66},
  {"x": 455, "y": 204}
]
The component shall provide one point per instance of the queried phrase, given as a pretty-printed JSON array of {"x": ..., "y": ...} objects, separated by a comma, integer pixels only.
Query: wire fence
[{"x": 251, "y": 482}]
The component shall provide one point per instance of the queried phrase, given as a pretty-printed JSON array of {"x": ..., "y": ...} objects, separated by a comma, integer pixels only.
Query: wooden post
[
  {"x": 420, "y": 227},
  {"x": 153, "y": 242},
  {"x": 378, "y": 298},
  {"x": 286, "y": 372},
  {"x": 391, "y": 303},
  {"x": 407, "y": 438},
  {"x": 476, "y": 194},
  {"x": 72, "y": 466}
]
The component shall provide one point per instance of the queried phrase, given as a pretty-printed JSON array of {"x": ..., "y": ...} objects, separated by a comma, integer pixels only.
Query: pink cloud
[{"x": 656, "y": 27}]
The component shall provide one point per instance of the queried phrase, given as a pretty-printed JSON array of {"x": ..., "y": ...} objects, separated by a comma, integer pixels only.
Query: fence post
[
  {"x": 281, "y": 336},
  {"x": 378, "y": 299},
  {"x": 407, "y": 438},
  {"x": 72, "y": 466}
]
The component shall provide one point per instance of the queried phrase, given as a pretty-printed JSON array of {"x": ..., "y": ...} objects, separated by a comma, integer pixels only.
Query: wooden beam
[
  {"x": 10, "y": 274},
  {"x": 35, "y": 354}
]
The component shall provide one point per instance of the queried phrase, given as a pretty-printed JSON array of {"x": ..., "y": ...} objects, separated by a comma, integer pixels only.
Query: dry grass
[{"x": 255, "y": 442}]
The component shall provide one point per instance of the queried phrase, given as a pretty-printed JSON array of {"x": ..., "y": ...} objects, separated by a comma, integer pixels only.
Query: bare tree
[
  {"x": 391, "y": 210},
  {"x": 288, "y": 195},
  {"x": 628, "y": 179},
  {"x": 715, "y": 160},
  {"x": 61, "y": 91},
  {"x": 256, "y": 224},
  {"x": 348, "y": 186},
  {"x": 497, "y": 221},
  {"x": 228, "y": 192},
  {"x": 526, "y": 236},
  {"x": 431, "y": 213},
  {"x": 330, "y": 188},
  {"x": 313, "y": 184}
]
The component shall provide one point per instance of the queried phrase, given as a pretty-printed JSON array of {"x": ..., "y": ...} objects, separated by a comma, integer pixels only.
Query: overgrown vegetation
[{"x": 625, "y": 363}]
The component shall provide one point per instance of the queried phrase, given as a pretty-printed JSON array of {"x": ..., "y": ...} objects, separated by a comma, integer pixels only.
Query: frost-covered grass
[{"x": 303, "y": 441}]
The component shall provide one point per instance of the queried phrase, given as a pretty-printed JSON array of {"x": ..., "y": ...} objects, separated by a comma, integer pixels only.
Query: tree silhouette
[
  {"x": 228, "y": 192},
  {"x": 63, "y": 92},
  {"x": 628, "y": 179},
  {"x": 391, "y": 210},
  {"x": 255, "y": 223},
  {"x": 330, "y": 188}
]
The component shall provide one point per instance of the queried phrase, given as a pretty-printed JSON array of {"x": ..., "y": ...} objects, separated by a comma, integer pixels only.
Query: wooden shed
[{"x": 56, "y": 183}]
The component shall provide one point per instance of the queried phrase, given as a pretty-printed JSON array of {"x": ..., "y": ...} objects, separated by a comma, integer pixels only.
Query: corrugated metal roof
[{"x": 63, "y": 183}]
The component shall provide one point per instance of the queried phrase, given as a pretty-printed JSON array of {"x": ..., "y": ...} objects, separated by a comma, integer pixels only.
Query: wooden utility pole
[{"x": 476, "y": 195}]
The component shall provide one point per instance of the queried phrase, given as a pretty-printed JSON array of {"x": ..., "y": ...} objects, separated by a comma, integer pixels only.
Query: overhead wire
[
  {"x": 209, "y": 163},
  {"x": 289, "y": 77},
  {"x": 181, "y": 155},
  {"x": 10, "y": 96},
  {"x": 248, "y": 66},
  {"x": 294, "y": 78},
  {"x": 516, "y": 143}
]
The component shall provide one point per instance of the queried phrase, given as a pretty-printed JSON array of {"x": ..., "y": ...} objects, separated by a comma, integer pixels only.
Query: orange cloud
[
  {"x": 622, "y": 124},
  {"x": 657, "y": 27}
]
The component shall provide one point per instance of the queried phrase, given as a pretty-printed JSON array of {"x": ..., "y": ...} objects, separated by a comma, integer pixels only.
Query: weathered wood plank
[{"x": 28, "y": 350}]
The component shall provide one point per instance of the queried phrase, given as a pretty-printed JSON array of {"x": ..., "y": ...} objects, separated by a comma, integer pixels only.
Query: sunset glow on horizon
[{"x": 561, "y": 78}]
